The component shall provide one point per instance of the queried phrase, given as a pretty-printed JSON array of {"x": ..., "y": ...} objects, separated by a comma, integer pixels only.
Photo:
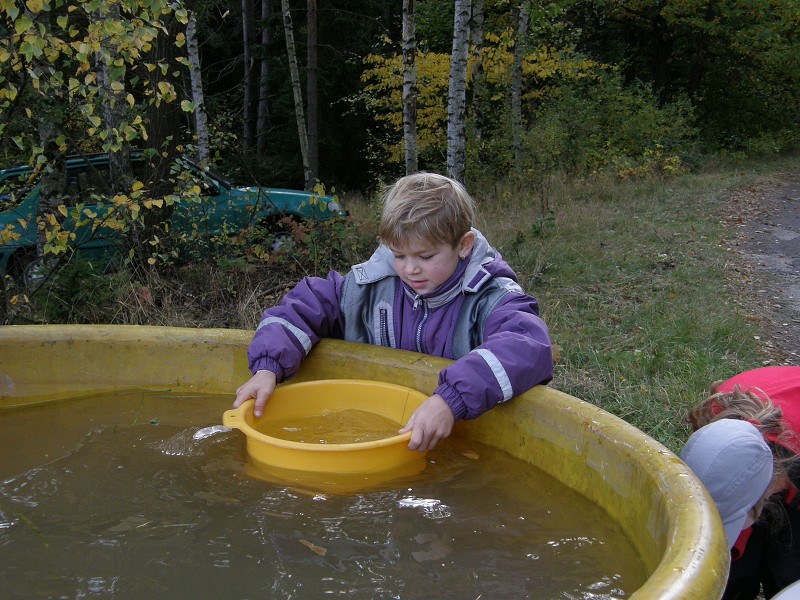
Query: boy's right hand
[{"x": 260, "y": 386}]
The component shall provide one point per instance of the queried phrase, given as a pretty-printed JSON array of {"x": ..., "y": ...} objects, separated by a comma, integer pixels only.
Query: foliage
[
  {"x": 83, "y": 75},
  {"x": 599, "y": 123},
  {"x": 544, "y": 68},
  {"x": 53, "y": 52},
  {"x": 737, "y": 61},
  {"x": 220, "y": 282},
  {"x": 581, "y": 115}
]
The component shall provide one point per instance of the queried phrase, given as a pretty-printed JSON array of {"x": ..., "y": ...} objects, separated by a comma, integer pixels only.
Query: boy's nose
[{"x": 412, "y": 267}]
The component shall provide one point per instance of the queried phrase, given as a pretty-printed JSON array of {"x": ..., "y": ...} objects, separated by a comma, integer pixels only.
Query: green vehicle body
[{"x": 223, "y": 209}]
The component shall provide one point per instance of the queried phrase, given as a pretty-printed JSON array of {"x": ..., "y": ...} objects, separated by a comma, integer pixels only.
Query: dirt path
[{"x": 765, "y": 221}]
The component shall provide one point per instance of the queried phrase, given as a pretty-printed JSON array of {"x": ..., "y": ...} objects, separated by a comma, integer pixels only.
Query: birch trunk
[
  {"x": 247, "y": 63},
  {"x": 312, "y": 95},
  {"x": 457, "y": 96},
  {"x": 263, "y": 85},
  {"x": 298, "y": 93},
  {"x": 521, "y": 26},
  {"x": 410, "y": 88},
  {"x": 478, "y": 87},
  {"x": 198, "y": 97}
]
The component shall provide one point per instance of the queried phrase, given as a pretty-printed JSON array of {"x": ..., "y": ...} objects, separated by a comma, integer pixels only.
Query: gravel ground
[{"x": 765, "y": 226}]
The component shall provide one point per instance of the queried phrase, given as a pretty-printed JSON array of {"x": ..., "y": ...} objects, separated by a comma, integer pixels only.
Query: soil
[{"x": 764, "y": 222}]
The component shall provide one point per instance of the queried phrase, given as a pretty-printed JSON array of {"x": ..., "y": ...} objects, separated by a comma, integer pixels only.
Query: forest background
[{"x": 598, "y": 136}]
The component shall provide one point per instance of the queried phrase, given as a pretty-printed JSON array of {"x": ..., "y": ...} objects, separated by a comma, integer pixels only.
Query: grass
[
  {"x": 640, "y": 293},
  {"x": 644, "y": 301}
]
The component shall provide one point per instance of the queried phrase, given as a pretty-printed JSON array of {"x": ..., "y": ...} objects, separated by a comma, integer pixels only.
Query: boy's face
[{"x": 427, "y": 265}]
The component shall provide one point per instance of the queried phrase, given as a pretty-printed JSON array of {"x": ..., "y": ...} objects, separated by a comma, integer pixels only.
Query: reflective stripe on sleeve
[
  {"x": 298, "y": 333},
  {"x": 499, "y": 372}
]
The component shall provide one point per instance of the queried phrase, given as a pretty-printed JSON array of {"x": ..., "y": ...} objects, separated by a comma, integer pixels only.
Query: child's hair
[
  {"x": 426, "y": 207},
  {"x": 738, "y": 404},
  {"x": 757, "y": 410}
]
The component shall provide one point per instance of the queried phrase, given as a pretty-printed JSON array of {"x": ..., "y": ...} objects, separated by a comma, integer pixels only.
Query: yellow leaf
[
  {"x": 151, "y": 261},
  {"x": 137, "y": 185},
  {"x": 63, "y": 210},
  {"x": 117, "y": 86},
  {"x": 35, "y": 6}
]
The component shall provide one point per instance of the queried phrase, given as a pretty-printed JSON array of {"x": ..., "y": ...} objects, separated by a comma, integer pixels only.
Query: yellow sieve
[{"x": 324, "y": 398}]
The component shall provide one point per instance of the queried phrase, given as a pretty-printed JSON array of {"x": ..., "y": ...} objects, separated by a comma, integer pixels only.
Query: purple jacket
[{"x": 508, "y": 353}]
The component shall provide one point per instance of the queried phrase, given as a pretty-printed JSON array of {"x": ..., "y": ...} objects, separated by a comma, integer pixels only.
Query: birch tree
[
  {"x": 457, "y": 93},
  {"x": 478, "y": 81},
  {"x": 520, "y": 15},
  {"x": 410, "y": 88},
  {"x": 248, "y": 32},
  {"x": 263, "y": 80},
  {"x": 312, "y": 94},
  {"x": 297, "y": 92},
  {"x": 198, "y": 97}
]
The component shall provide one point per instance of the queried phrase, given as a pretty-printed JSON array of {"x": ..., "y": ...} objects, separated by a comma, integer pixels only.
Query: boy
[{"x": 435, "y": 286}]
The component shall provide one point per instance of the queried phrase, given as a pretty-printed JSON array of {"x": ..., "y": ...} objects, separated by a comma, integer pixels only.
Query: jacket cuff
[
  {"x": 453, "y": 400},
  {"x": 268, "y": 364}
]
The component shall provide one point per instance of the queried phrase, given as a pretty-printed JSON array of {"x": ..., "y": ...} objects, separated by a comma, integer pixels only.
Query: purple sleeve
[
  {"x": 515, "y": 356},
  {"x": 288, "y": 331}
]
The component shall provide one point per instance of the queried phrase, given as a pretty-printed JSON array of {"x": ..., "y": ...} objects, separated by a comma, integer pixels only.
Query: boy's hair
[{"x": 426, "y": 207}]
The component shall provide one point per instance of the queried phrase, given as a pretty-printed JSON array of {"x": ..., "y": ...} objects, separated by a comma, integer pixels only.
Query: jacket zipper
[
  {"x": 384, "y": 325},
  {"x": 418, "y": 337}
]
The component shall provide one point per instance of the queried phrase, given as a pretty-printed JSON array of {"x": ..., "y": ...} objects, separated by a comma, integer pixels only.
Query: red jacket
[{"x": 782, "y": 386}]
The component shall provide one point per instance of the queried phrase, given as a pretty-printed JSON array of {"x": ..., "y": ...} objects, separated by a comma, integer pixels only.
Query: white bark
[
  {"x": 311, "y": 93},
  {"x": 263, "y": 106},
  {"x": 297, "y": 91},
  {"x": 457, "y": 96},
  {"x": 521, "y": 27},
  {"x": 248, "y": 87},
  {"x": 198, "y": 97},
  {"x": 410, "y": 88},
  {"x": 478, "y": 87}
]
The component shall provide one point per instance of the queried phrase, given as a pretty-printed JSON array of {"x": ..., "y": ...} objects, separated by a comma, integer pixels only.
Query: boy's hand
[
  {"x": 260, "y": 386},
  {"x": 431, "y": 422}
]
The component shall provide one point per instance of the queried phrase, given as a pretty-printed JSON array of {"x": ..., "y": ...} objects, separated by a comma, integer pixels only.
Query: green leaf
[
  {"x": 187, "y": 106},
  {"x": 22, "y": 24}
]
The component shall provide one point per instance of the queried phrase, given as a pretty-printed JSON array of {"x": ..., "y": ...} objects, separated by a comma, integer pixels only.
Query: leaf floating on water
[
  {"x": 314, "y": 548},
  {"x": 471, "y": 454},
  {"x": 154, "y": 421}
]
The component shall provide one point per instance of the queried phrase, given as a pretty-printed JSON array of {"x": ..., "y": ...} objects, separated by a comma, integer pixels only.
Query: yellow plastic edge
[{"x": 644, "y": 487}]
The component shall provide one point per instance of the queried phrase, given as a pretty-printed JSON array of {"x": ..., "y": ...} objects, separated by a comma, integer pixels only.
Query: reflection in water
[{"x": 137, "y": 508}]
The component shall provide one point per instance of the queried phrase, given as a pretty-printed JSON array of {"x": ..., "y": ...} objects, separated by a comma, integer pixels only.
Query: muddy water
[
  {"x": 110, "y": 497},
  {"x": 346, "y": 426}
]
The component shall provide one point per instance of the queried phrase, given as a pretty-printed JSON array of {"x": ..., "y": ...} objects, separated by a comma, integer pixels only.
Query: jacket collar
[{"x": 381, "y": 265}]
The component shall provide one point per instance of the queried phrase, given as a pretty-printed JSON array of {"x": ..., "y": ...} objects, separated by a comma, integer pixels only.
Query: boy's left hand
[{"x": 431, "y": 422}]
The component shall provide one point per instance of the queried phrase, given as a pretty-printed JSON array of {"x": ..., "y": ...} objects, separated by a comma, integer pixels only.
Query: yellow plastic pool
[{"x": 639, "y": 483}]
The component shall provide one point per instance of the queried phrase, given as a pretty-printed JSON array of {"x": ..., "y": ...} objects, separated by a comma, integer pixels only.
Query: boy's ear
[{"x": 465, "y": 245}]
